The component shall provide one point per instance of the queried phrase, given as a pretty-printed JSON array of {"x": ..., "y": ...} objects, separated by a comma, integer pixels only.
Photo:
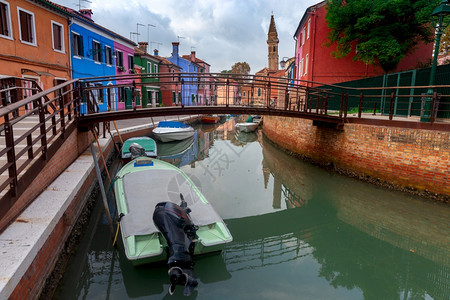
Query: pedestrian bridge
[{"x": 35, "y": 123}]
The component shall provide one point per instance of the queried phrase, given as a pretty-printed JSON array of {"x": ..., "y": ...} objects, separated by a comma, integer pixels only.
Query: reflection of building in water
[
  {"x": 286, "y": 176},
  {"x": 224, "y": 130},
  {"x": 264, "y": 252}
]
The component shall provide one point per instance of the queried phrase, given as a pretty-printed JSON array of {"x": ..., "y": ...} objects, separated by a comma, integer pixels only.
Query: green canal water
[{"x": 300, "y": 232}]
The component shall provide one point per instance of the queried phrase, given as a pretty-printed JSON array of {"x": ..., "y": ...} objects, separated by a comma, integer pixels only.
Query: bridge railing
[
  {"x": 218, "y": 89},
  {"x": 33, "y": 125}
]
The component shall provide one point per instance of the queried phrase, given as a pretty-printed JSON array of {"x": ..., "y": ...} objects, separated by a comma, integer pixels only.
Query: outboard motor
[
  {"x": 174, "y": 222},
  {"x": 136, "y": 150}
]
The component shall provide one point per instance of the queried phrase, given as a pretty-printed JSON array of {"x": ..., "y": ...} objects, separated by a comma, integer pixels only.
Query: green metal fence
[{"x": 407, "y": 101}]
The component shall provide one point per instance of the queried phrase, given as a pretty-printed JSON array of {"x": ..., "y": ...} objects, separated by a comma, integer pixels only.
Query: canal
[{"x": 300, "y": 232}]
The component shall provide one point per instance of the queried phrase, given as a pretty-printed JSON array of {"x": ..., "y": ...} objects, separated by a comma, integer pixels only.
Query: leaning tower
[{"x": 272, "y": 43}]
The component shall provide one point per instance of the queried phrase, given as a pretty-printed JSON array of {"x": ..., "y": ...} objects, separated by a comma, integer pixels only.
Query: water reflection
[{"x": 299, "y": 232}]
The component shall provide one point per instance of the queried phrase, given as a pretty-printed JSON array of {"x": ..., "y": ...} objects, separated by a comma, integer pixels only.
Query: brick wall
[
  {"x": 34, "y": 278},
  {"x": 413, "y": 158}
]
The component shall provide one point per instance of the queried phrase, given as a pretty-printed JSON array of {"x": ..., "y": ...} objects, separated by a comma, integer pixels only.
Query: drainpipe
[
  {"x": 69, "y": 25},
  {"x": 313, "y": 46}
]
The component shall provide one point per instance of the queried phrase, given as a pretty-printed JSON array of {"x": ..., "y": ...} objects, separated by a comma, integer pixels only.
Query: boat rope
[{"x": 117, "y": 230}]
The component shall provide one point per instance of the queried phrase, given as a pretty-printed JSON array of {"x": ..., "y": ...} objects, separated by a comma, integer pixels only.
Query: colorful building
[
  {"x": 34, "y": 42},
  {"x": 204, "y": 86},
  {"x": 170, "y": 86},
  {"x": 97, "y": 51},
  {"x": 189, "y": 87},
  {"x": 314, "y": 61},
  {"x": 149, "y": 64}
]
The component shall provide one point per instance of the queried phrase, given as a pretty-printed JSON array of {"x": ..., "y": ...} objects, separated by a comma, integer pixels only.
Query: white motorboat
[
  {"x": 247, "y": 126},
  {"x": 168, "y": 131}
]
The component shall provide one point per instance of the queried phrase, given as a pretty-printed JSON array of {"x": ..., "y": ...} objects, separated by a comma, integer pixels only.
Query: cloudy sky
[{"x": 221, "y": 32}]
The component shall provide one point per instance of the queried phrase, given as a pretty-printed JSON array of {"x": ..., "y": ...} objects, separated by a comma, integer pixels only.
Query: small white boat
[
  {"x": 247, "y": 126},
  {"x": 168, "y": 131}
]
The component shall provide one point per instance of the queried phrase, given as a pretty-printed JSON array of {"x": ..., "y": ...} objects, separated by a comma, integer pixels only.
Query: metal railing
[
  {"x": 33, "y": 125},
  {"x": 274, "y": 94}
]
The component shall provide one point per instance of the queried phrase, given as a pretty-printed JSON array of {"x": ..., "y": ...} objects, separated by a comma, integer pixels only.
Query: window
[
  {"x": 26, "y": 27},
  {"x": 130, "y": 62},
  {"x": 98, "y": 93},
  {"x": 149, "y": 67},
  {"x": 108, "y": 56},
  {"x": 259, "y": 92},
  {"x": 303, "y": 36},
  {"x": 58, "y": 37},
  {"x": 96, "y": 51},
  {"x": 5, "y": 20},
  {"x": 301, "y": 68},
  {"x": 155, "y": 68},
  {"x": 119, "y": 58},
  {"x": 174, "y": 97},
  {"x": 77, "y": 44},
  {"x": 309, "y": 28},
  {"x": 121, "y": 94},
  {"x": 306, "y": 64}
]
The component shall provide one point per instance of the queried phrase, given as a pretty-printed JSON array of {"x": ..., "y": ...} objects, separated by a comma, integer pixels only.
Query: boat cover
[{"x": 144, "y": 189}]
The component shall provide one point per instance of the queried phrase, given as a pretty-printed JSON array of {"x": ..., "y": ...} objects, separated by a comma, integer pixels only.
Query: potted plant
[{"x": 121, "y": 68}]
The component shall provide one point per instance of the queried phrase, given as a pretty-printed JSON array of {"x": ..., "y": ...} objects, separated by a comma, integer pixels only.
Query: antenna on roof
[
  {"x": 156, "y": 44},
  {"x": 81, "y": 1},
  {"x": 180, "y": 37}
]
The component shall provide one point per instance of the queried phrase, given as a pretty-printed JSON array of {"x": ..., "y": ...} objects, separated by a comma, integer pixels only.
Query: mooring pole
[{"x": 102, "y": 189}]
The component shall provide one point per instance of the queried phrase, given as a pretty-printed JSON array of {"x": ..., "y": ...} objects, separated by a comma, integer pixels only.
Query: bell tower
[{"x": 272, "y": 43}]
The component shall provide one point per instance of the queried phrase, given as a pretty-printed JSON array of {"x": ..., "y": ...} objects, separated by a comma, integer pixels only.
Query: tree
[
  {"x": 445, "y": 44},
  {"x": 381, "y": 31},
  {"x": 240, "y": 68}
]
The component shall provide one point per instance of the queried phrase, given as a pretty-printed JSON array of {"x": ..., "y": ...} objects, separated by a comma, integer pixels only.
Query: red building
[
  {"x": 314, "y": 61},
  {"x": 170, "y": 87}
]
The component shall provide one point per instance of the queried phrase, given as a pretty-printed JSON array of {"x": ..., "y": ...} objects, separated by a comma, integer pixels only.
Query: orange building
[{"x": 34, "y": 42}]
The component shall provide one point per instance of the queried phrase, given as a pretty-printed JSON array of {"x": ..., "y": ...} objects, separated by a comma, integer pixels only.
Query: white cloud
[{"x": 221, "y": 32}]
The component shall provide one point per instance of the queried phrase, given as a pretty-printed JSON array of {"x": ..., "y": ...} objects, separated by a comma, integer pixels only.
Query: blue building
[
  {"x": 189, "y": 90},
  {"x": 93, "y": 55}
]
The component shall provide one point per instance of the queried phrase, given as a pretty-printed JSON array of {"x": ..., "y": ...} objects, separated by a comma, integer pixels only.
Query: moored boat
[
  {"x": 247, "y": 126},
  {"x": 145, "y": 142},
  {"x": 210, "y": 119},
  {"x": 140, "y": 186},
  {"x": 168, "y": 131}
]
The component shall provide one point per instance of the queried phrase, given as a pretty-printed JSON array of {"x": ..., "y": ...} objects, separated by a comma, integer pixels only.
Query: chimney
[
  {"x": 86, "y": 13},
  {"x": 143, "y": 46},
  {"x": 175, "y": 49},
  {"x": 155, "y": 52},
  {"x": 193, "y": 56}
]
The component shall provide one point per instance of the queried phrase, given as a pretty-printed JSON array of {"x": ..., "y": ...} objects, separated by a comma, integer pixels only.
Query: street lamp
[
  {"x": 283, "y": 62},
  {"x": 439, "y": 23}
]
